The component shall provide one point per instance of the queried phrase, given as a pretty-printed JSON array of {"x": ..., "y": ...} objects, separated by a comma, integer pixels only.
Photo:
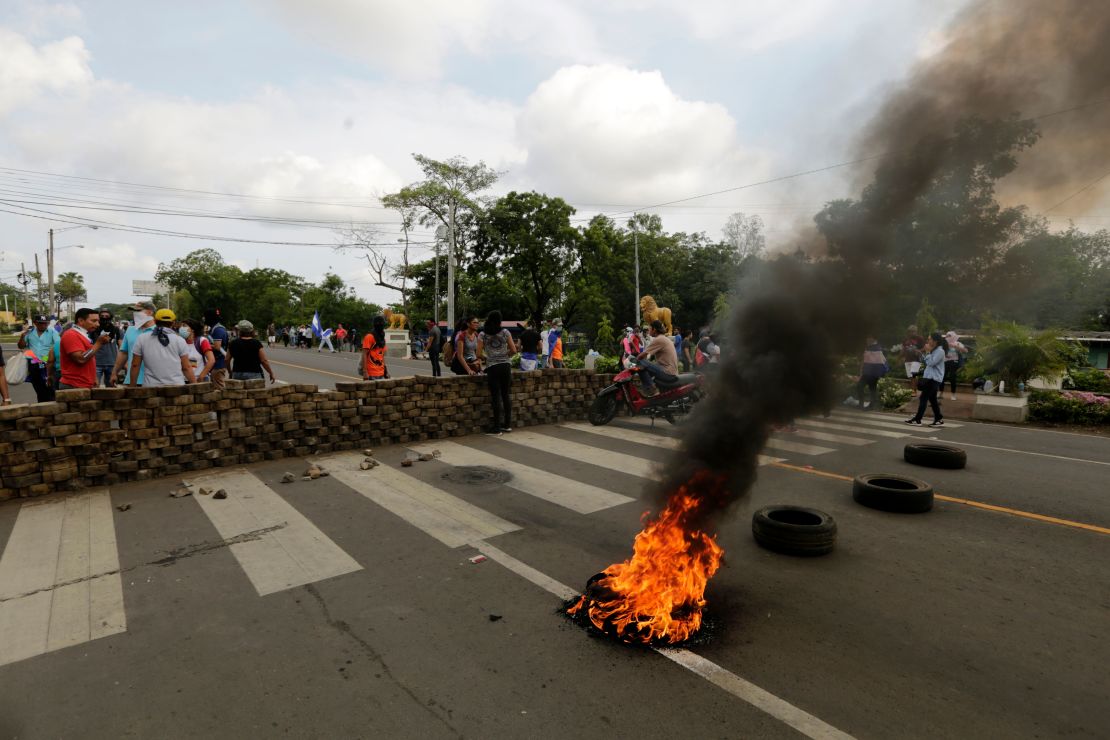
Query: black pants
[
  {"x": 951, "y": 368},
  {"x": 929, "y": 389},
  {"x": 434, "y": 358},
  {"x": 44, "y": 391},
  {"x": 499, "y": 377},
  {"x": 873, "y": 385}
]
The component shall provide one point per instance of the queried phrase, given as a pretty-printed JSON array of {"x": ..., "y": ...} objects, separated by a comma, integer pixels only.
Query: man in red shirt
[{"x": 79, "y": 352}]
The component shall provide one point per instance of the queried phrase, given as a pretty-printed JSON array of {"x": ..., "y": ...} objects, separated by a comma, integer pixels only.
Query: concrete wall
[{"x": 106, "y": 436}]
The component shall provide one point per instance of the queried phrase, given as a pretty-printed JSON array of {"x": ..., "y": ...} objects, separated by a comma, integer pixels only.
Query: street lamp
[{"x": 50, "y": 260}]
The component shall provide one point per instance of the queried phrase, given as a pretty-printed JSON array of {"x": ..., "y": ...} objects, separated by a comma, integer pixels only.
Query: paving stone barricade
[{"x": 105, "y": 436}]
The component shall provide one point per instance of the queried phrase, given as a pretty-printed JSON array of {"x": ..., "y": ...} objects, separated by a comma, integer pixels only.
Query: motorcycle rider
[{"x": 661, "y": 348}]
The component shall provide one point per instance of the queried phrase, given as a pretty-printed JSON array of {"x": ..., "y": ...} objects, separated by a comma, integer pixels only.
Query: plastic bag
[{"x": 15, "y": 369}]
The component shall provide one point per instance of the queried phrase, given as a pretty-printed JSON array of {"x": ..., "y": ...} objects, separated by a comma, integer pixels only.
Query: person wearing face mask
[
  {"x": 163, "y": 354},
  {"x": 106, "y": 355},
  {"x": 201, "y": 357},
  {"x": 142, "y": 323}
]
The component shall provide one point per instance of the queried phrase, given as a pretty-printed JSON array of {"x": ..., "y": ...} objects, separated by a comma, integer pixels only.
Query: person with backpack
[
  {"x": 873, "y": 369},
  {"x": 201, "y": 357}
]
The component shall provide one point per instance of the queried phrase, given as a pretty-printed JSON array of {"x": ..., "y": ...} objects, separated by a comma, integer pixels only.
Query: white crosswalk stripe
[
  {"x": 631, "y": 435},
  {"x": 854, "y": 429},
  {"x": 843, "y": 439},
  {"x": 570, "y": 494},
  {"x": 447, "y": 518},
  {"x": 278, "y": 547},
  {"x": 59, "y": 577},
  {"x": 885, "y": 422}
]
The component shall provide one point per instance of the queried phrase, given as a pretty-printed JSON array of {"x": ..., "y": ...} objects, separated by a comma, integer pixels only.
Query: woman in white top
[{"x": 200, "y": 349}]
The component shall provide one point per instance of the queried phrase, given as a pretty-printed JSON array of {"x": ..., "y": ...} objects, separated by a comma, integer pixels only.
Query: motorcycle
[{"x": 676, "y": 396}]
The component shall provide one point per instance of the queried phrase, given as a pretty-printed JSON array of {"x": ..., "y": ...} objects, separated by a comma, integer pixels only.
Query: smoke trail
[{"x": 1002, "y": 61}]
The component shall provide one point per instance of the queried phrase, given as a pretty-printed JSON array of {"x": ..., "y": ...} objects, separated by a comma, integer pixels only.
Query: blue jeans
[
  {"x": 104, "y": 373},
  {"x": 246, "y": 376},
  {"x": 648, "y": 371}
]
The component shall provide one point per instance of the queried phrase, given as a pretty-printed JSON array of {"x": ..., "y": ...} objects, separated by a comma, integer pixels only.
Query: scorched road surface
[{"x": 349, "y": 606}]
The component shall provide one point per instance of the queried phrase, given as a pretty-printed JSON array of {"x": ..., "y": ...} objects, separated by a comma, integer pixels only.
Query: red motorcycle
[{"x": 677, "y": 395}]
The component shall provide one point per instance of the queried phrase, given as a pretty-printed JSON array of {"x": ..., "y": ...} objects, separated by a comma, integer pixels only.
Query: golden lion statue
[
  {"x": 652, "y": 311},
  {"x": 398, "y": 320}
]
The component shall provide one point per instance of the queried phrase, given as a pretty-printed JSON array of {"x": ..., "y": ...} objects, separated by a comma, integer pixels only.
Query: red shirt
[{"x": 78, "y": 376}]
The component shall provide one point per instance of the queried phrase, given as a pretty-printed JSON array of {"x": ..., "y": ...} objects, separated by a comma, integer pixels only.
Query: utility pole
[
  {"x": 38, "y": 284},
  {"x": 636, "y": 250},
  {"x": 23, "y": 278},
  {"x": 451, "y": 270},
  {"x": 50, "y": 273},
  {"x": 440, "y": 233}
]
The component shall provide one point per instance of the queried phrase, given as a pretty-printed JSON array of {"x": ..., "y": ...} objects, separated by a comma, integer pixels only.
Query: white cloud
[
  {"x": 118, "y": 257},
  {"x": 27, "y": 71},
  {"x": 611, "y": 134},
  {"x": 413, "y": 39}
]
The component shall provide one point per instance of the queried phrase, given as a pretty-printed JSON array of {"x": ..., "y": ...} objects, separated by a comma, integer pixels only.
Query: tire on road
[
  {"x": 603, "y": 409},
  {"x": 794, "y": 530},
  {"x": 888, "y": 492},
  {"x": 935, "y": 456}
]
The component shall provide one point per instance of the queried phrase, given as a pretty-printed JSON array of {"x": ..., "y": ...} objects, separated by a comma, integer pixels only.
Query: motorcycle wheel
[{"x": 603, "y": 409}]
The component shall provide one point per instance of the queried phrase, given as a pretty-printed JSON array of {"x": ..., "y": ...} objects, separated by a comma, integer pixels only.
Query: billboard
[{"x": 148, "y": 288}]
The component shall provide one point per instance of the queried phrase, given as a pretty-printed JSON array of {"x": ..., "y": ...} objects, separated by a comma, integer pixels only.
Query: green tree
[
  {"x": 210, "y": 282},
  {"x": 70, "y": 288},
  {"x": 1017, "y": 353},
  {"x": 529, "y": 241}
]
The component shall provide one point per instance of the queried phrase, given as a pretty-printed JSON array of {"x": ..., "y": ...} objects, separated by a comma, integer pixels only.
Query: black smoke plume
[{"x": 1029, "y": 63}]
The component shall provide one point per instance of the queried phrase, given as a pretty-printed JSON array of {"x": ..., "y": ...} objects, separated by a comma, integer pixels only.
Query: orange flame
[{"x": 656, "y": 596}]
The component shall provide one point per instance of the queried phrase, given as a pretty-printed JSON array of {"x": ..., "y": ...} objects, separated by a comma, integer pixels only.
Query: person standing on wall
[
  {"x": 435, "y": 346},
  {"x": 41, "y": 340},
  {"x": 78, "y": 356},
  {"x": 498, "y": 347}
]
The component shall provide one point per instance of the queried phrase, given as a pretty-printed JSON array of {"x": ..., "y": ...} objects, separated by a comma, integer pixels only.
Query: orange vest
[
  {"x": 374, "y": 360},
  {"x": 557, "y": 351}
]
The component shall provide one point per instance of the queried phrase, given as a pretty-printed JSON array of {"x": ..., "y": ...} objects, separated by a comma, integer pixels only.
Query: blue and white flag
[{"x": 320, "y": 332}]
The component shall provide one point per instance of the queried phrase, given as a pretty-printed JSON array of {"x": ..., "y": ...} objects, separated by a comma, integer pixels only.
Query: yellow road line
[
  {"x": 964, "y": 501},
  {"x": 315, "y": 370}
]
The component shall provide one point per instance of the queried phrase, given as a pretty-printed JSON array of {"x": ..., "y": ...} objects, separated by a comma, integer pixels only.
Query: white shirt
[{"x": 162, "y": 364}]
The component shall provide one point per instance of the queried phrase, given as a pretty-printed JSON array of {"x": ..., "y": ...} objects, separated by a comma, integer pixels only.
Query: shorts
[
  {"x": 912, "y": 369},
  {"x": 527, "y": 365}
]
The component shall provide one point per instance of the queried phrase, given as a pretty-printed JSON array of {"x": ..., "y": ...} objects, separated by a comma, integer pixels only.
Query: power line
[{"x": 1086, "y": 187}]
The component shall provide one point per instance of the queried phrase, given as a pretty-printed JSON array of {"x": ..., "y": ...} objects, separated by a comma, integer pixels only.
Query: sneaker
[
  {"x": 953, "y": 396},
  {"x": 915, "y": 422},
  {"x": 652, "y": 393},
  {"x": 506, "y": 429},
  {"x": 936, "y": 423}
]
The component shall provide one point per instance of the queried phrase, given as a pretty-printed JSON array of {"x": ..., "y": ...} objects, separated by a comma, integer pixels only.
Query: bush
[
  {"x": 893, "y": 394},
  {"x": 1069, "y": 407},
  {"x": 1016, "y": 353},
  {"x": 605, "y": 364},
  {"x": 1087, "y": 379},
  {"x": 574, "y": 361},
  {"x": 515, "y": 361}
]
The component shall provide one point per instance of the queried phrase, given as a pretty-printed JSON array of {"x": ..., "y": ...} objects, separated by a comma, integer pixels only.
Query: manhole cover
[{"x": 477, "y": 475}]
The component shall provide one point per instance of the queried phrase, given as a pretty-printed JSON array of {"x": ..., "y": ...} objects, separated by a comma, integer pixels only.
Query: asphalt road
[{"x": 962, "y": 622}]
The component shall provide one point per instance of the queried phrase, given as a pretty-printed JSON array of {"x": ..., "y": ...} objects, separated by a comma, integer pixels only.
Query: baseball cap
[
  {"x": 142, "y": 306},
  {"x": 40, "y": 319},
  {"x": 164, "y": 314}
]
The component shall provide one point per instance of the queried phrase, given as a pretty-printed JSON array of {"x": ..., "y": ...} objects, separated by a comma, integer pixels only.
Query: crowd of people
[{"x": 155, "y": 348}]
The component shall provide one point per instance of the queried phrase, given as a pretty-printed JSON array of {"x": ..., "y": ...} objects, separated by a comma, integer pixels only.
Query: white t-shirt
[{"x": 162, "y": 364}]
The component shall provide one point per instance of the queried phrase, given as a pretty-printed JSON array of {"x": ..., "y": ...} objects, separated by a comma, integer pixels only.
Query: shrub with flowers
[{"x": 1069, "y": 407}]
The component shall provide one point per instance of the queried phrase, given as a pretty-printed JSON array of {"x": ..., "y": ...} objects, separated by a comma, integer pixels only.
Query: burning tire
[
  {"x": 794, "y": 530},
  {"x": 603, "y": 409},
  {"x": 935, "y": 456},
  {"x": 897, "y": 493}
]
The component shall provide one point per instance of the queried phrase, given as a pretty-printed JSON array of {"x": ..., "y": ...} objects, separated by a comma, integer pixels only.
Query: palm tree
[{"x": 71, "y": 288}]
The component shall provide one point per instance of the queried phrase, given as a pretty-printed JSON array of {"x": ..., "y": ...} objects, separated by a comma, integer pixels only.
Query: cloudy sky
[{"x": 249, "y": 109}]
